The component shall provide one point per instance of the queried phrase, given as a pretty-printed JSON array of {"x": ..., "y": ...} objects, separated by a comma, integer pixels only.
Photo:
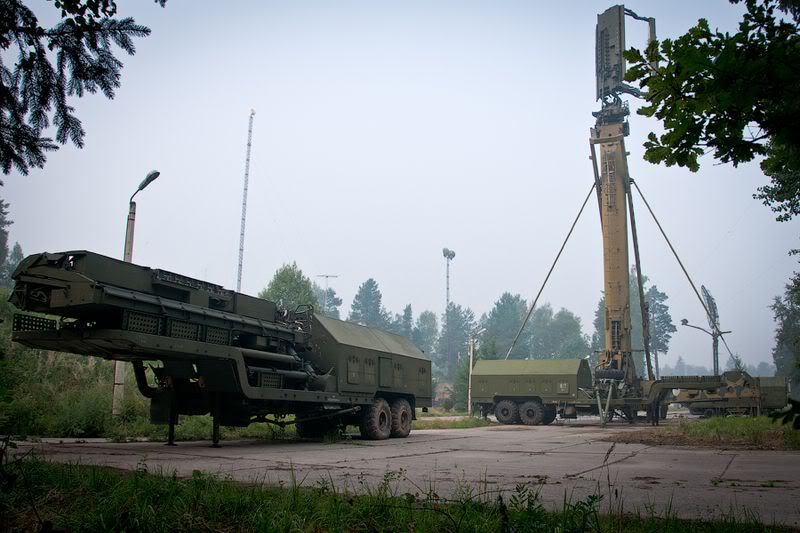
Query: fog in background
[{"x": 384, "y": 132}]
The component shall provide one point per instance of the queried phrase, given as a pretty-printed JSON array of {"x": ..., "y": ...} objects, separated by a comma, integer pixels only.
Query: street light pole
[
  {"x": 469, "y": 375},
  {"x": 119, "y": 366},
  {"x": 471, "y": 346},
  {"x": 448, "y": 256}
]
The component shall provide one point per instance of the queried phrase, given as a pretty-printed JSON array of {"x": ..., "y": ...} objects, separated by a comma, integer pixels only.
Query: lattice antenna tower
[{"x": 244, "y": 201}]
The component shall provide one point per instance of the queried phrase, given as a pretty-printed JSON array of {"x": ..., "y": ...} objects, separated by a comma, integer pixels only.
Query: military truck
[
  {"x": 241, "y": 359},
  {"x": 740, "y": 394},
  {"x": 531, "y": 392}
]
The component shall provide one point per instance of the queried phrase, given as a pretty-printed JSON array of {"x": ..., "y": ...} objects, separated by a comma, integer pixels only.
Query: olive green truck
[
  {"x": 531, "y": 392},
  {"x": 534, "y": 392},
  {"x": 211, "y": 350}
]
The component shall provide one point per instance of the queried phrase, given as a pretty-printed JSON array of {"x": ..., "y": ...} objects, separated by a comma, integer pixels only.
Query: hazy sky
[{"x": 384, "y": 132}]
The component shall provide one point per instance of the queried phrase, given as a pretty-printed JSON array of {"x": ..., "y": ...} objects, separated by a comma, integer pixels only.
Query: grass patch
[
  {"x": 751, "y": 432},
  {"x": 436, "y": 412},
  {"x": 43, "y": 495},
  {"x": 461, "y": 423}
]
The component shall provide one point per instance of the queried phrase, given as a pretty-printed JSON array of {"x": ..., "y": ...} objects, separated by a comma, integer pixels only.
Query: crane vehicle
[{"x": 617, "y": 387}]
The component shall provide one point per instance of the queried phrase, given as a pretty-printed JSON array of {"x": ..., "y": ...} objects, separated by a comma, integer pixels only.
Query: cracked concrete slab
[{"x": 559, "y": 460}]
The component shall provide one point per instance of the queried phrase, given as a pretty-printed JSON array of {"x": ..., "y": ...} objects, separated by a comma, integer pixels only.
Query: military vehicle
[
  {"x": 616, "y": 379},
  {"x": 531, "y": 392},
  {"x": 615, "y": 388},
  {"x": 741, "y": 394},
  {"x": 217, "y": 351}
]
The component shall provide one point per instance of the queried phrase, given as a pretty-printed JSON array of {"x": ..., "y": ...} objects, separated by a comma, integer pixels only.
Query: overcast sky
[{"x": 385, "y": 131}]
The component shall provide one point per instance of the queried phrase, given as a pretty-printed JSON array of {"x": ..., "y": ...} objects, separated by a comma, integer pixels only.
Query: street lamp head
[
  {"x": 684, "y": 322},
  {"x": 448, "y": 253},
  {"x": 150, "y": 178}
]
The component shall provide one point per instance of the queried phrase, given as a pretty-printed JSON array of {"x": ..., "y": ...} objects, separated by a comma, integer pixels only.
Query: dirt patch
[{"x": 768, "y": 440}]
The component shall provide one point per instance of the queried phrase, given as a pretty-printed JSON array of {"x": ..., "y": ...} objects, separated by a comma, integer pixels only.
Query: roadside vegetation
[
  {"x": 460, "y": 423},
  {"x": 51, "y": 497},
  {"x": 749, "y": 432}
]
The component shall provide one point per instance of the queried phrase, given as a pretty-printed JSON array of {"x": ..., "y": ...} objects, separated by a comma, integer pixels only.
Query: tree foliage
[
  {"x": 736, "y": 95},
  {"x": 73, "y": 58},
  {"x": 457, "y": 324},
  {"x": 367, "y": 308},
  {"x": 290, "y": 288},
  {"x": 557, "y": 335},
  {"x": 786, "y": 352},
  {"x": 661, "y": 326},
  {"x": 403, "y": 324},
  {"x": 425, "y": 332},
  {"x": 8, "y": 267},
  {"x": 501, "y": 326},
  {"x": 329, "y": 302}
]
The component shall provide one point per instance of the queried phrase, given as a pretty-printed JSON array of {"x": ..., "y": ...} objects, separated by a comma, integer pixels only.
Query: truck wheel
[
  {"x": 609, "y": 373},
  {"x": 401, "y": 418},
  {"x": 531, "y": 413},
  {"x": 549, "y": 415},
  {"x": 506, "y": 412},
  {"x": 376, "y": 422}
]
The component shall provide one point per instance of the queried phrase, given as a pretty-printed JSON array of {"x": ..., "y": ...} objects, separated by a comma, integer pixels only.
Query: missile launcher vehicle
[
  {"x": 211, "y": 350},
  {"x": 741, "y": 394}
]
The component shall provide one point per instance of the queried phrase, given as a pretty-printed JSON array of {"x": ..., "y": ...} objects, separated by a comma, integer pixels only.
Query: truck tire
[
  {"x": 506, "y": 411},
  {"x": 609, "y": 373},
  {"x": 401, "y": 418},
  {"x": 376, "y": 421},
  {"x": 531, "y": 413},
  {"x": 549, "y": 415}
]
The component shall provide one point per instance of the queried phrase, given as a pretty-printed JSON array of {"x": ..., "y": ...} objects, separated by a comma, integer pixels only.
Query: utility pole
[
  {"x": 325, "y": 294},
  {"x": 244, "y": 201},
  {"x": 448, "y": 256}
]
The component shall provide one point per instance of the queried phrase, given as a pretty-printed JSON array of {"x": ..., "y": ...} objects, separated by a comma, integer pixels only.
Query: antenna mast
[
  {"x": 244, "y": 201},
  {"x": 325, "y": 294}
]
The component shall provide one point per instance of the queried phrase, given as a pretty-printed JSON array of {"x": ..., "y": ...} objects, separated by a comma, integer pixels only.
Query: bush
[{"x": 448, "y": 404}]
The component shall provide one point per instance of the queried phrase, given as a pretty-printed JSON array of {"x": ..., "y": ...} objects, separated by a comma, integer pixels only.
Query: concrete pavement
[{"x": 571, "y": 459}]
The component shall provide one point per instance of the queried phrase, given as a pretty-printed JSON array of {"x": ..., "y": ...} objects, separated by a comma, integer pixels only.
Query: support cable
[
  {"x": 533, "y": 305},
  {"x": 694, "y": 288},
  {"x": 640, "y": 287}
]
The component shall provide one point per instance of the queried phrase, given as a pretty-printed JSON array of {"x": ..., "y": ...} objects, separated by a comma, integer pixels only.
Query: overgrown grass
[
  {"x": 461, "y": 423},
  {"x": 436, "y": 412},
  {"x": 750, "y": 431},
  {"x": 83, "y": 498}
]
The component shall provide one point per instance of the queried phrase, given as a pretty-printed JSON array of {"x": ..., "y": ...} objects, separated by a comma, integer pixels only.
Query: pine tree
[
  {"x": 407, "y": 322},
  {"x": 457, "y": 325},
  {"x": 8, "y": 268},
  {"x": 501, "y": 326},
  {"x": 329, "y": 302},
  {"x": 425, "y": 332},
  {"x": 366, "y": 308},
  {"x": 786, "y": 352},
  {"x": 35, "y": 91}
]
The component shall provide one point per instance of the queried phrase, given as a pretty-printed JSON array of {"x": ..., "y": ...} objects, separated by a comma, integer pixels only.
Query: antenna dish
[{"x": 711, "y": 305}]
